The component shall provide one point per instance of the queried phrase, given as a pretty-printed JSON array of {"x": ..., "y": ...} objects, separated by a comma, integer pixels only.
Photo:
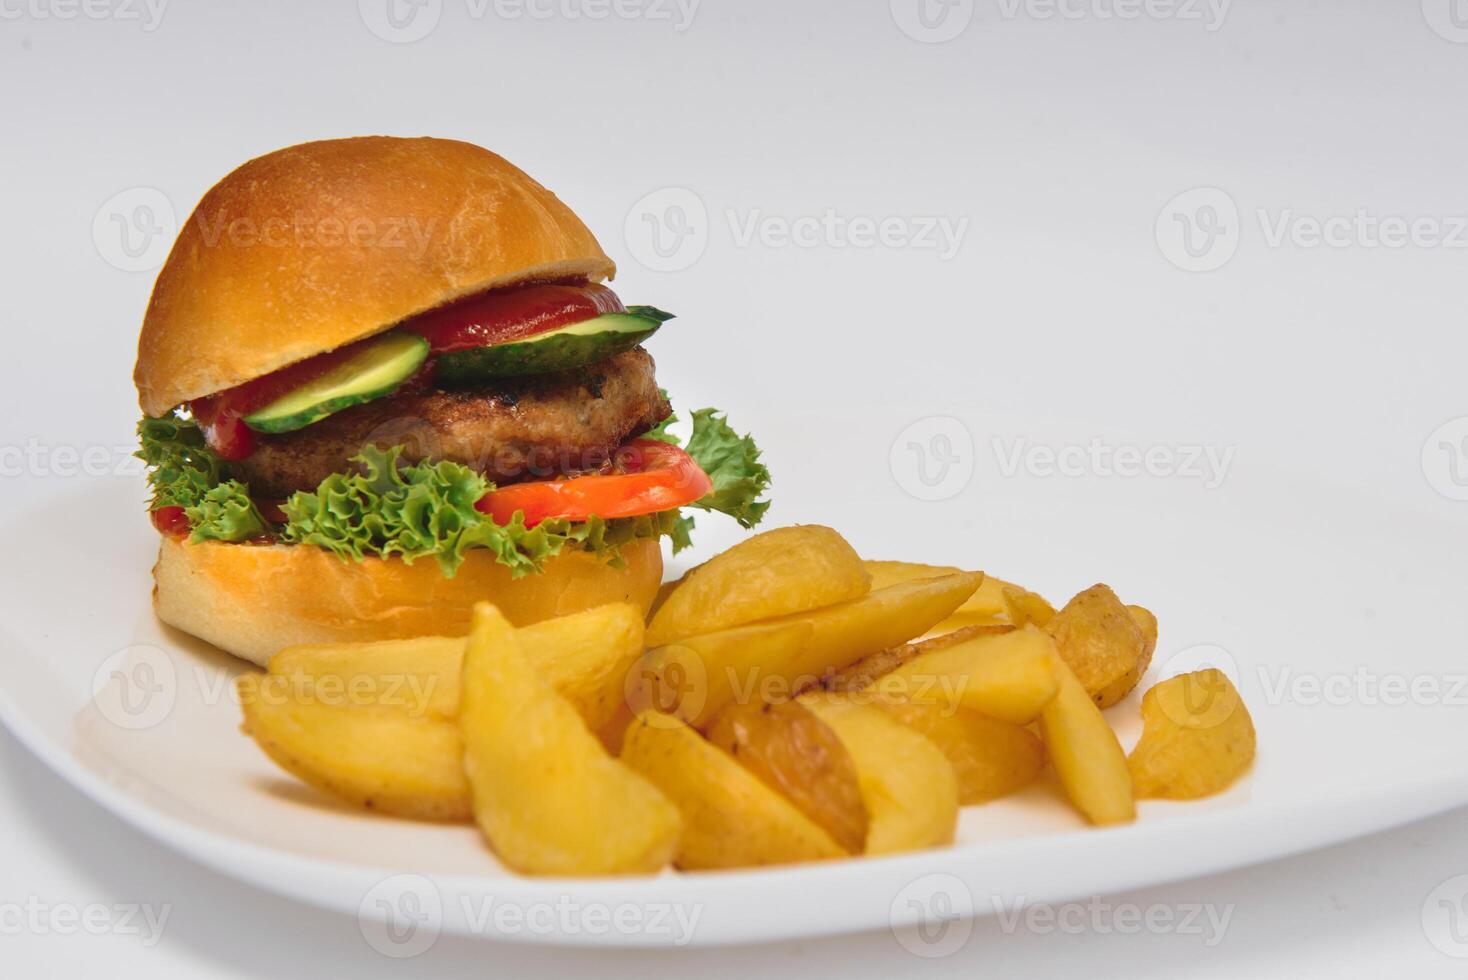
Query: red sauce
[
  {"x": 171, "y": 521},
  {"x": 478, "y": 321},
  {"x": 511, "y": 314}
]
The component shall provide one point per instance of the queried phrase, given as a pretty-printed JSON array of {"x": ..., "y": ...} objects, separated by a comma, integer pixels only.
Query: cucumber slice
[
  {"x": 561, "y": 349},
  {"x": 377, "y": 369}
]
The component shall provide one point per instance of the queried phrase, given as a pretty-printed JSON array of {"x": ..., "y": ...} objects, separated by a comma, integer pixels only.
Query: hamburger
[{"x": 383, "y": 379}]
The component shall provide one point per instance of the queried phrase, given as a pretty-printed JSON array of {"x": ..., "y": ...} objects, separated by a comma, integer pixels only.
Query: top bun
[{"x": 311, "y": 247}]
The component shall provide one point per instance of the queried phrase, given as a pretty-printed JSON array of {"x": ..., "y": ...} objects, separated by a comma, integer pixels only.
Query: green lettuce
[
  {"x": 183, "y": 472},
  {"x": 426, "y": 510},
  {"x": 226, "y": 513},
  {"x": 181, "y": 469},
  {"x": 732, "y": 463}
]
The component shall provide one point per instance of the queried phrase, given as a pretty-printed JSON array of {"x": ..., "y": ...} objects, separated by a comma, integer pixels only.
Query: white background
[{"x": 1055, "y": 142}]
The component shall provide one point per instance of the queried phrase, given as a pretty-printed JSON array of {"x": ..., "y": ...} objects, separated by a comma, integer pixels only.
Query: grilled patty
[{"x": 533, "y": 428}]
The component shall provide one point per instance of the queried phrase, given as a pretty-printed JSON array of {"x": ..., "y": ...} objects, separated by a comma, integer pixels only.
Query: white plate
[{"x": 1323, "y": 604}]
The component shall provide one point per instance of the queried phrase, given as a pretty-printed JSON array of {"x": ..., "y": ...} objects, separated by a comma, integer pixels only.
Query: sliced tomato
[{"x": 649, "y": 477}]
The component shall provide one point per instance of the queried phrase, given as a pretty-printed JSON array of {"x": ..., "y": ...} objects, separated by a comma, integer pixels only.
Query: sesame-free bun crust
[
  {"x": 311, "y": 247},
  {"x": 255, "y": 600}
]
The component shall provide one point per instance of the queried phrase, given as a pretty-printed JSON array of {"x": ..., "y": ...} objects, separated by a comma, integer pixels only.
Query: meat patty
[{"x": 520, "y": 429}]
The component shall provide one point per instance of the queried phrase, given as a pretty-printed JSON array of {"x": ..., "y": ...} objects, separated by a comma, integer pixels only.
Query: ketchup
[
  {"x": 477, "y": 321},
  {"x": 172, "y": 521},
  {"x": 511, "y": 314}
]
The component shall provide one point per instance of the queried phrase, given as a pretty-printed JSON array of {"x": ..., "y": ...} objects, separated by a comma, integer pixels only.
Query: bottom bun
[{"x": 255, "y": 600}]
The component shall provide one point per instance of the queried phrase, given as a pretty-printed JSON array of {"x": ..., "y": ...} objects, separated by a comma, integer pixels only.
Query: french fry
[
  {"x": 379, "y": 758},
  {"x": 548, "y": 797},
  {"x": 730, "y": 818},
  {"x": 1086, "y": 755},
  {"x": 908, "y": 786},
  {"x": 1197, "y": 738},
  {"x": 1009, "y": 677},
  {"x": 787, "y": 570}
]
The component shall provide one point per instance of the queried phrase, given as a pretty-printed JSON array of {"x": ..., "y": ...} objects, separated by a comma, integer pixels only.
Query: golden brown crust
[
  {"x": 311, "y": 247},
  {"x": 255, "y": 600}
]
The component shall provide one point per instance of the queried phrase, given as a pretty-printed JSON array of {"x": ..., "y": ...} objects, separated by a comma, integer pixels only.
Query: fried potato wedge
[
  {"x": 419, "y": 676},
  {"x": 1197, "y": 738},
  {"x": 1147, "y": 623},
  {"x": 994, "y": 602},
  {"x": 1086, "y": 755},
  {"x": 696, "y": 677},
  {"x": 1007, "y": 676},
  {"x": 907, "y": 784},
  {"x": 776, "y": 573},
  {"x": 799, "y": 756},
  {"x": 771, "y": 661},
  {"x": 1024, "y": 606},
  {"x": 990, "y": 758},
  {"x": 1102, "y": 643},
  {"x": 547, "y": 795},
  {"x": 866, "y": 670},
  {"x": 731, "y": 819},
  {"x": 585, "y": 656},
  {"x": 383, "y": 759}
]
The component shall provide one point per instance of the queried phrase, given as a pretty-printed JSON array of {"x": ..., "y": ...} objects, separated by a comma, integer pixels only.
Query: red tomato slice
[{"x": 652, "y": 477}]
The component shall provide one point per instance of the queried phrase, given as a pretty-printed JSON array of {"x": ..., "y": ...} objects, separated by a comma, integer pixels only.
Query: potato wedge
[
  {"x": 1102, "y": 643},
  {"x": 800, "y": 757},
  {"x": 730, "y": 818},
  {"x": 1148, "y": 625},
  {"x": 907, "y": 784},
  {"x": 990, "y": 758},
  {"x": 380, "y": 758},
  {"x": 1086, "y": 755},
  {"x": 866, "y": 670},
  {"x": 1197, "y": 738},
  {"x": 1024, "y": 606},
  {"x": 771, "y": 661},
  {"x": 585, "y": 656},
  {"x": 787, "y": 570},
  {"x": 419, "y": 676},
  {"x": 994, "y": 602},
  {"x": 696, "y": 677},
  {"x": 1007, "y": 676},
  {"x": 547, "y": 795}
]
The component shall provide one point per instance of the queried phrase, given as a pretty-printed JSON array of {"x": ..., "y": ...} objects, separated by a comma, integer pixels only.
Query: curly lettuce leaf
[
  {"x": 226, "y": 513},
  {"x": 427, "y": 511},
  {"x": 181, "y": 468},
  {"x": 732, "y": 462}
]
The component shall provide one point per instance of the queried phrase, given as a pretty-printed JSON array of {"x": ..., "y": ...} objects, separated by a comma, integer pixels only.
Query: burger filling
[{"x": 523, "y": 420}]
